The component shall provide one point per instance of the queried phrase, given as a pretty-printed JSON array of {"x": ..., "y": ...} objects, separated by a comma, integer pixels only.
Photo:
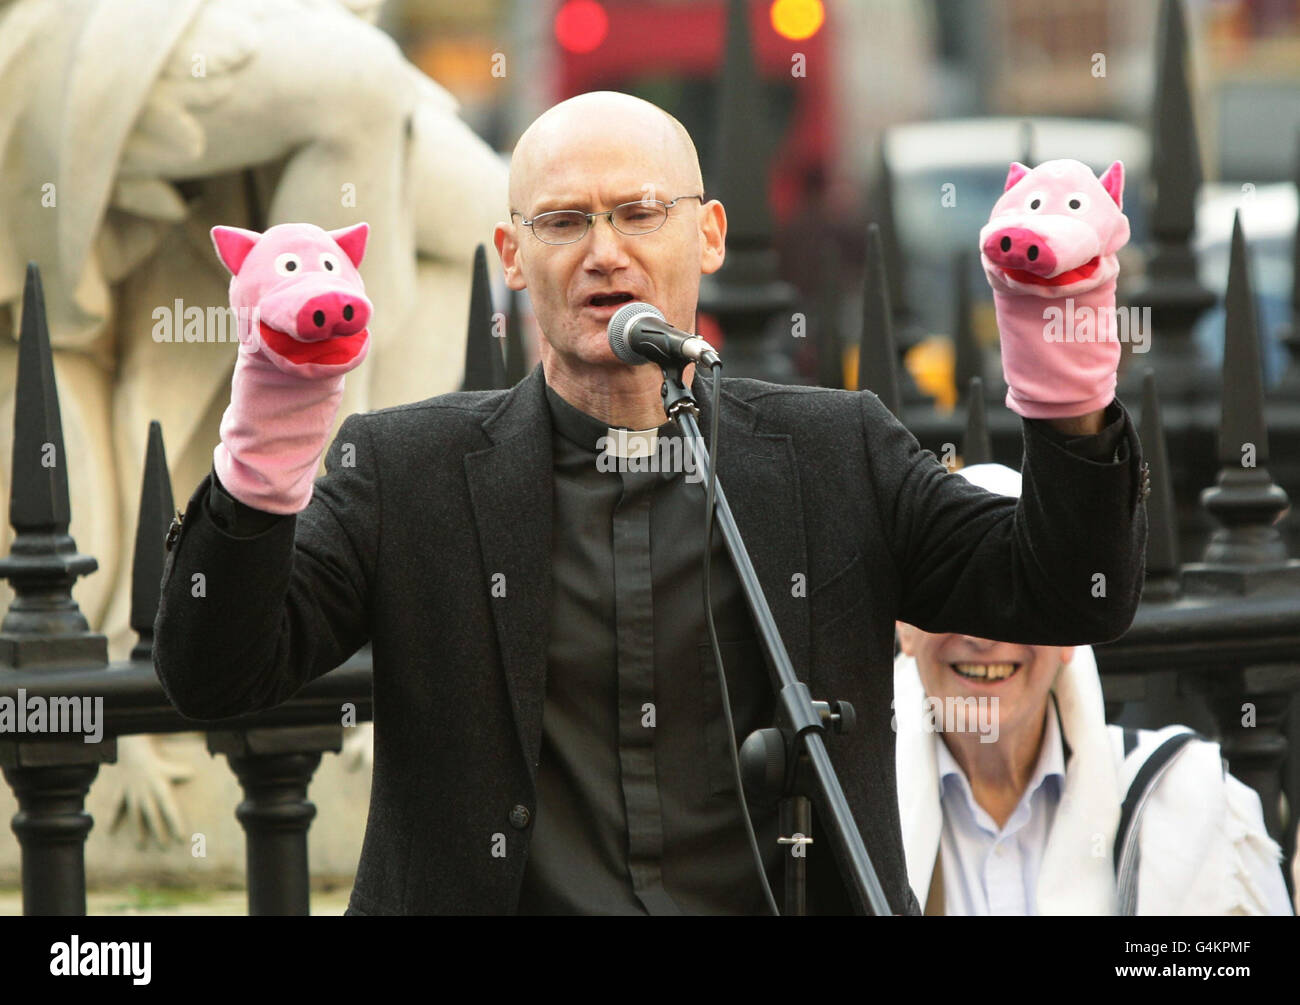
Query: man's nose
[
  {"x": 978, "y": 643},
  {"x": 605, "y": 248}
]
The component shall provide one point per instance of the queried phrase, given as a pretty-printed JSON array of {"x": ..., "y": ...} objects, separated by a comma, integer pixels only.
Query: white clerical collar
[{"x": 632, "y": 442}]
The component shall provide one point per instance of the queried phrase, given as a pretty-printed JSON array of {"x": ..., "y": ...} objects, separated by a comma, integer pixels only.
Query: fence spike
[
  {"x": 969, "y": 361},
  {"x": 976, "y": 447},
  {"x": 743, "y": 139},
  {"x": 1175, "y": 155},
  {"x": 38, "y": 495},
  {"x": 747, "y": 299},
  {"x": 44, "y": 625},
  {"x": 485, "y": 369},
  {"x": 1162, "y": 518},
  {"x": 877, "y": 355},
  {"x": 1171, "y": 285},
  {"x": 1245, "y": 501},
  {"x": 829, "y": 344},
  {"x": 516, "y": 357},
  {"x": 883, "y": 213},
  {"x": 155, "y": 513}
]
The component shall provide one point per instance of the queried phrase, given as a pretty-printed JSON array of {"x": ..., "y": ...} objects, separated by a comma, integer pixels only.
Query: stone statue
[{"x": 128, "y": 128}]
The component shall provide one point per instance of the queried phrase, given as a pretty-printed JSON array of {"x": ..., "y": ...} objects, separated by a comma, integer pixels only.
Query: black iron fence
[{"x": 50, "y": 659}]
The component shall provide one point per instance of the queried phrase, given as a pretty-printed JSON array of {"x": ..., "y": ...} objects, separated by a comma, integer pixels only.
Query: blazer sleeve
[
  {"x": 1063, "y": 565},
  {"x": 244, "y": 622}
]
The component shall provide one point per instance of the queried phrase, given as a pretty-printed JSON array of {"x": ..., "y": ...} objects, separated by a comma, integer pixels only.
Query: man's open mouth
[
  {"x": 986, "y": 671},
  {"x": 328, "y": 352},
  {"x": 608, "y": 299}
]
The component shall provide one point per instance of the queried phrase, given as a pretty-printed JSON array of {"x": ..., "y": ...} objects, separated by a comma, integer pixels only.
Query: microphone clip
[{"x": 677, "y": 396}]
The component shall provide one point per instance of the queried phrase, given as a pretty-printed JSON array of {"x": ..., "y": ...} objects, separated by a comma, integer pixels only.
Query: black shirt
[{"x": 636, "y": 808}]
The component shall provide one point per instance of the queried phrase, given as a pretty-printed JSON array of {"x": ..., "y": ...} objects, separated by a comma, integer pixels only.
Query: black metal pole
[
  {"x": 794, "y": 702},
  {"x": 796, "y": 820}
]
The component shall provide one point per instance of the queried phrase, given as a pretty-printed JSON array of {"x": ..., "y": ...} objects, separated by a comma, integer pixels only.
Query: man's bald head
[
  {"x": 591, "y": 154},
  {"x": 608, "y": 116}
]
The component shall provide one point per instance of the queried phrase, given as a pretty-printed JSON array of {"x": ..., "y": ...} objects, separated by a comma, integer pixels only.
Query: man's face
[
  {"x": 963, "y": 666},
  {"x": 576, "y": 288}
]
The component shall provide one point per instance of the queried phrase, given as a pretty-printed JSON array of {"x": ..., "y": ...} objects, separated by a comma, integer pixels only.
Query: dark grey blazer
[{"x": 423, "y": 503}]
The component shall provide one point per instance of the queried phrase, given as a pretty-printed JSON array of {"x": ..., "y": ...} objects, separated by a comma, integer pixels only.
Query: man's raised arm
[
  {"x": 1065, "y": 564},
  {"x": 245, "y": 621},
  {"x": 267, "y": 582}
]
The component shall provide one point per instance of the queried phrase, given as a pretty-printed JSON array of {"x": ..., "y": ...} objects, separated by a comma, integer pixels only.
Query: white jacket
[{"x": 1203, "y": 845}]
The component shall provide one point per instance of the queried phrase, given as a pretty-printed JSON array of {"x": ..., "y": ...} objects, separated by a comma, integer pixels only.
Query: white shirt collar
[
  {"x": 632, "y": 442},
  {"x": 1051, "y": 762}
]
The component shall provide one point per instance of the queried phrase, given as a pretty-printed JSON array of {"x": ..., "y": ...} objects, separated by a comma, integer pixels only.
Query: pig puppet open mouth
[
  {"x": 301, "y": 286},
  {"x": 1056, "y": 229}
]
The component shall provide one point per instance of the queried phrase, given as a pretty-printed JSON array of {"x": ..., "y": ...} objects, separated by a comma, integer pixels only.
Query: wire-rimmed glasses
[{"x": 567, "y": 226}]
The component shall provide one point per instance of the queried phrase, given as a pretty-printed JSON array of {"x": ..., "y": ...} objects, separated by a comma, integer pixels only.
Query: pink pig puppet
[
  {"x": 1049, "y": 252},
  {"x": 302, "y": 314}
]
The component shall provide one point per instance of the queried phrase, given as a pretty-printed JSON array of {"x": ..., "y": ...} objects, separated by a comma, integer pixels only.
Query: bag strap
[{"x": 1126, "y": 853}]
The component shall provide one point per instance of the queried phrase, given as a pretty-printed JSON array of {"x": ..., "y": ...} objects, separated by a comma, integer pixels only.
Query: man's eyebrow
[{"x": 549, "y": 203}]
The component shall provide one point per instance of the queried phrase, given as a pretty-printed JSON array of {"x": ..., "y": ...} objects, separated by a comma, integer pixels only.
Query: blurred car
[
  {"x": 934, "y": 221},
  {"x": 1268, "y": 223}
]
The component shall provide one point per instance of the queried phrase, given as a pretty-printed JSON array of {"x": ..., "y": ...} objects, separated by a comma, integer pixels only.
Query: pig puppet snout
[
  {"x": 1020, "y": 248},
  {"x": 313, "y": 311},
  {"x": 330, "y": 314}
]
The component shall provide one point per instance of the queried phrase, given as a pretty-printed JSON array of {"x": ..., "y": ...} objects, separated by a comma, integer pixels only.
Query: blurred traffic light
[
  {"x": 797, "y": 19},
  {"x": 581, "y": 25}
]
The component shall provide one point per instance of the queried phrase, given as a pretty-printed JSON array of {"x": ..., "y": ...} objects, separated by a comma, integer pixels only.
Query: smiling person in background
[{"x": 1026, "y": 823}]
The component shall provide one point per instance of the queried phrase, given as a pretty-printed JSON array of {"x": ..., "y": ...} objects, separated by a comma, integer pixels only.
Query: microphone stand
[{"x": 799, "y": 728}]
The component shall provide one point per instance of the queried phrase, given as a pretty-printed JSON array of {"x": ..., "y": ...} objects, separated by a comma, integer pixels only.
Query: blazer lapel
[
  {"x": 511, "y": 485},
  {"x": 758, "y": 475}
]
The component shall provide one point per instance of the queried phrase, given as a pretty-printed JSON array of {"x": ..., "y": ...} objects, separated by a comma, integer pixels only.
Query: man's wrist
[
  {"x": 234, "y": 517},
  {"x": 1106, "y": 446},
  {"x": 1080, "y": 425}
]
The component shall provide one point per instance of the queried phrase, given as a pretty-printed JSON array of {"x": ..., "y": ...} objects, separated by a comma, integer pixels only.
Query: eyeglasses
[{"x": 567, "y": 226}]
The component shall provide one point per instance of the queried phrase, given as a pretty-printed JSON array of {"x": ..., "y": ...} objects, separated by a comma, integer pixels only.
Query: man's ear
[
  {"x": 713, "y": 230},
  {"x": 503, "y": 236}
]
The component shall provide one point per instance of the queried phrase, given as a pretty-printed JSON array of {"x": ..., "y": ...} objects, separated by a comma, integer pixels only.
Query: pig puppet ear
[
  {"x": 1113, "y": 182},
  {"x": 233, "y": 245},
  {"x": 353, "y": 241},
  {"x": 1014, "y": 174}
]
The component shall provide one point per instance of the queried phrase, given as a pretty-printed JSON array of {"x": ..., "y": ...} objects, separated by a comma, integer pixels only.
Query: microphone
[{"x": 639, "y": 334}]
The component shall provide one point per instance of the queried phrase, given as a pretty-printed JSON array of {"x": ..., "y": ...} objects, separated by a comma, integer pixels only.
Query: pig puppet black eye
[{"x": 287, "y": 263}]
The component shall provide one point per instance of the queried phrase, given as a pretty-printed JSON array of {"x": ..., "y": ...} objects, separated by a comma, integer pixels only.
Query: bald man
[{"x": 549, "y": 736}]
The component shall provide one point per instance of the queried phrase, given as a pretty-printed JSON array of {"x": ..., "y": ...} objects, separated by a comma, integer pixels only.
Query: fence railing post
[
  {"x": 1247, "y": 554},
  {"x": 45, "y": 629},
  {"x": 275, "y": 767}
]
